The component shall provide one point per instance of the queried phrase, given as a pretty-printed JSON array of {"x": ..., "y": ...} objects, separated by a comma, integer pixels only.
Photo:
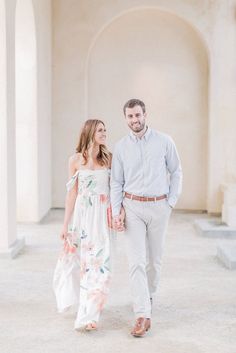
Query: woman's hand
[{"x": 64, "y": 233}]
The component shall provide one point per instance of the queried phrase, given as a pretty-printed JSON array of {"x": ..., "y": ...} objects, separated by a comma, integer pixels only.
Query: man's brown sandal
[{"x": 142, "y": 325}]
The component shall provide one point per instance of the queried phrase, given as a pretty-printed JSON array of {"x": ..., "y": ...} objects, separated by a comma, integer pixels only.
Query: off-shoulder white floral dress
[{"x": 82, "y": 273}]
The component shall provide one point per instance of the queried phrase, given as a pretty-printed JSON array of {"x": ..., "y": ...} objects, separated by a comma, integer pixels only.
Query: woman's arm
[{"x": 70, "y": 198}]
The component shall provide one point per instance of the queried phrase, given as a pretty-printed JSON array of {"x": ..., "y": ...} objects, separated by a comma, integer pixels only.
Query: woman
[{"x": 82, "y": 273}]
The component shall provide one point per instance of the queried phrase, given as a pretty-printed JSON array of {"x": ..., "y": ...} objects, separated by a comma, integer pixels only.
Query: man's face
[{"x": 135, "y": 118}]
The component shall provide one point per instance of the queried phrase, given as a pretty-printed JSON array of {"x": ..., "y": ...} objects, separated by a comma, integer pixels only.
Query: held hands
[{"x": 119, "y": 221}]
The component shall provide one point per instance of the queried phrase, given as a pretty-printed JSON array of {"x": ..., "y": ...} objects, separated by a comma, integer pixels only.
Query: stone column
[
  {"x": 229, "y": 205},
  {"x": 222, "y": 103},
  {"x": 9, "y": 244}
]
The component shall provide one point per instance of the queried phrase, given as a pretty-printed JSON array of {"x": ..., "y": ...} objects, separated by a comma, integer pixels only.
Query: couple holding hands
[{"x": 133, "y": 190}]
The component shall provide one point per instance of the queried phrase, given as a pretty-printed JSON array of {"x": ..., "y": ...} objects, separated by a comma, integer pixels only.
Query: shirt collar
[{"x": 145, "y": 136}]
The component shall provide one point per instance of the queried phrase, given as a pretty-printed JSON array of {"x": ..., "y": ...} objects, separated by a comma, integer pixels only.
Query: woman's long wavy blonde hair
[{"x": 85, "y": 140}]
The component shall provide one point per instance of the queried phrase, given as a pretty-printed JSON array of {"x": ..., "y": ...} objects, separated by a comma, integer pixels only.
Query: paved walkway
[{"x": 195, "y": 313}]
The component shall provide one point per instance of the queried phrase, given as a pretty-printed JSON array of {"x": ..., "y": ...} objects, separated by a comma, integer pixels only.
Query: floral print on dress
[
  {"x": 82, "y": 275},
  {"x": 87, "y": 190}
]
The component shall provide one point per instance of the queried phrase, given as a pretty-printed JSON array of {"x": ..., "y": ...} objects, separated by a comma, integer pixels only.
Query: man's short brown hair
[{"x": 132, "y": 103}]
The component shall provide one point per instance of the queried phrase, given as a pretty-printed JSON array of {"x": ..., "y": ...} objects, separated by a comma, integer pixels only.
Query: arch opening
[{"x": 159, "y": 58}]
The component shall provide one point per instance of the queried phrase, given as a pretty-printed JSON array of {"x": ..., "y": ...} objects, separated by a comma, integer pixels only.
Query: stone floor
[{"x": 195, "y": 312}]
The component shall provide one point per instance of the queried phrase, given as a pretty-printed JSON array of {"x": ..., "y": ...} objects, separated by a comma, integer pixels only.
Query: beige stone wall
[{"x": 172, "y": 55}]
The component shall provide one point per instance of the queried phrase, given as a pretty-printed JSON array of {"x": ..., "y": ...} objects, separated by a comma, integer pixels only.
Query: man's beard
[{"x": 138, "y": 128}]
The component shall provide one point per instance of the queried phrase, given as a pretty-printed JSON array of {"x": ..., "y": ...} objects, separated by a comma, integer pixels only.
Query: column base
[
  {"x": 13, "y": 250},
  {"x": 227, "y": 255}
]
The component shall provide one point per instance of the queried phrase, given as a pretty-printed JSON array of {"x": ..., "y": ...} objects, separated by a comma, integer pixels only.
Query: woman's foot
[{"x": 91, "y": 326}]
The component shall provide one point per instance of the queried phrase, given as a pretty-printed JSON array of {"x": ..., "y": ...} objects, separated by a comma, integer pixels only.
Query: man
[{"x": 146, "y": 179}]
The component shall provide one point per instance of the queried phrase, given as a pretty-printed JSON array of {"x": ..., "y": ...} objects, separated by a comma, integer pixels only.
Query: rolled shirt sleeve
[{"x": 174, "y": 168}]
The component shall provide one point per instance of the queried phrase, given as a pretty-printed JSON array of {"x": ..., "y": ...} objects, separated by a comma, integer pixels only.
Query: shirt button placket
[{"x": 143, "y": 165}]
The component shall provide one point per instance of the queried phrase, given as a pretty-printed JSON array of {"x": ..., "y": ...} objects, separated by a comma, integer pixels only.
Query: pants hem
[{"x": 146, "y": 315}]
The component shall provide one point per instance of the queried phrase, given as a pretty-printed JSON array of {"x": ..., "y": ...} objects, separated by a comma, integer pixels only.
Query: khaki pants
[{"x": 146, "y": 224}]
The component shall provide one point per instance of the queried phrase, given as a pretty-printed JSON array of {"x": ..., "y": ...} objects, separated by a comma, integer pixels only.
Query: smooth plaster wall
[{"x": 80, "y": 26}]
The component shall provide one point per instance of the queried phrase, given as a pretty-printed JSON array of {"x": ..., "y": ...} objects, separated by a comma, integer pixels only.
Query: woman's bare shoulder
[{"x": 74, "y": 160}]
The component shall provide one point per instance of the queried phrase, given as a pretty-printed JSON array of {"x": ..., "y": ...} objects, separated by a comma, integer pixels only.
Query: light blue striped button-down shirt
[{"x": 149, "y": 166}]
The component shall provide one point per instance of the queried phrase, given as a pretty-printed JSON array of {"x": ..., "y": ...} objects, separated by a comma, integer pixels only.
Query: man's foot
[
  {"x": 142, "y": 325},
  {"x": 91, "y": 326}
]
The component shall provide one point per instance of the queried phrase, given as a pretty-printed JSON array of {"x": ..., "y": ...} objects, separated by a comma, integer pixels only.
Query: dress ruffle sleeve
[{"x": 70, "y": 184}]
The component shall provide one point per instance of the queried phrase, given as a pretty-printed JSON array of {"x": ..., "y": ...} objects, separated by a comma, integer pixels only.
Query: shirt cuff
[
  {"x": 115, "y": 212},
  {"x": 172, "y": 201}
]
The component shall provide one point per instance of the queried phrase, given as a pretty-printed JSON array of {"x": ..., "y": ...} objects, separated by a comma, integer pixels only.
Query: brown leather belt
[{"x": 144, "y": 198}]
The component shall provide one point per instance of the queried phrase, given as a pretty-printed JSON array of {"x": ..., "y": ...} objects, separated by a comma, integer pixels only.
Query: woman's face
[{"x": 100, "y": 135}]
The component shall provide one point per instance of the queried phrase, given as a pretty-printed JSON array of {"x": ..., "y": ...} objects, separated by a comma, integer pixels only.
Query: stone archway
[
  {"x": 26, "y": 111},
  {"x": 161, "y": 59}
]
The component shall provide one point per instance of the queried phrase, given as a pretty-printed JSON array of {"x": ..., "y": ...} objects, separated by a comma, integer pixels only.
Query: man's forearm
[{"x": 116, "y": 199}]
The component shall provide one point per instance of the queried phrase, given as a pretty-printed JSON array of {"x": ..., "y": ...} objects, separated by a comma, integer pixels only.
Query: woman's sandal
[{"x": 91, "y": 326}]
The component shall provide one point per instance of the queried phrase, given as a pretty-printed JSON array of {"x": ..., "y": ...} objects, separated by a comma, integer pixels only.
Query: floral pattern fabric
[{"x": 82, "y": 274}]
